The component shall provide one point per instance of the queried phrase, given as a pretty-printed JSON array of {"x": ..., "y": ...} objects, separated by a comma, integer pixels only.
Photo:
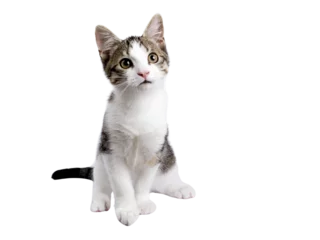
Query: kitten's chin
[
  {"x": 153, "y": 84},
  {"x": 145, "y": 86}
]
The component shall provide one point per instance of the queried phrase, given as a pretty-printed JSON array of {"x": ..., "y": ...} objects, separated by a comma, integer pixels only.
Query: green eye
[
  {"x": 125, "y": 63},
  {"x": 153, "y": 58}
]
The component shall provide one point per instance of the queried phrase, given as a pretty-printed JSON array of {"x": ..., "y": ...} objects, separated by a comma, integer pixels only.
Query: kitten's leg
[
  {"x": 168, "y": 180},
  {"x": 126, "y": 207},
  {"x": 169, "y": 183},
  {"x": 101, "y": 194},
  {"x": 143, "y": 187}
]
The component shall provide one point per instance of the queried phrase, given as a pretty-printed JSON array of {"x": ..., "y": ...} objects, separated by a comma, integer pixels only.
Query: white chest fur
[{"x": 137, "y": 125}]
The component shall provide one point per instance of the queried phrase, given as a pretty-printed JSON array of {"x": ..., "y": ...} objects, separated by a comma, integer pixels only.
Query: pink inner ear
[
  {"x": 99, "y": 41},
  {"x": 155, "y": 29}
]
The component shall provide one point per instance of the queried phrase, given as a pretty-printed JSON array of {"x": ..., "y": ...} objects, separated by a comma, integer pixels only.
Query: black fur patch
[
  {"x": 104, "y": 145},
  {"x": 86, "y": 173},
  {"x": 111, "y": 97},
  {"x": 65, "y": 175},
  {"x": 133, "y": 39},
  {"x": 166, "y": 154}
]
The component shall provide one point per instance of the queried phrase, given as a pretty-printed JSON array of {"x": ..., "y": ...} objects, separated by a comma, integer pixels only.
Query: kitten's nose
[{"x": 143, "y": 74}]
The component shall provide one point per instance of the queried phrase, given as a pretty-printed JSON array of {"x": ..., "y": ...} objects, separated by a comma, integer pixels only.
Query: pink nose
[{"x": 143, "y": 74}]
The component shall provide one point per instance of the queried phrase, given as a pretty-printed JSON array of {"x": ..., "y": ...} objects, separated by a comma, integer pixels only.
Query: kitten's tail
[{"x": 85, "y": 173}]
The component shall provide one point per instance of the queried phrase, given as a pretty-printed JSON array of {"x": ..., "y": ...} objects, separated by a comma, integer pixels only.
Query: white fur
[{"x": 137, "y": 123}]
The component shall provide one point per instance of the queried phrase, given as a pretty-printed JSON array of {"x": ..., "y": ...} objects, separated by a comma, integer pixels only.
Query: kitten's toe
[
  {"x": 127, "y": 216},
  {"x": 187, "y": 192},
  {"x": 144, "y": 204},
  {"x": 145, "y": 208},
  {"x": 183, "y": 192},
  {"x": 100, "y": 204}
]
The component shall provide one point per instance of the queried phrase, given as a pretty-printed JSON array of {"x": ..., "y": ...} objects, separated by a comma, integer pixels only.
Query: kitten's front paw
[
  {"x": 185, "y": 192},
  {"x": 100, "y": 203},
  {"x": 128, "y": 215},
  {"x": 144, "y": 202}
]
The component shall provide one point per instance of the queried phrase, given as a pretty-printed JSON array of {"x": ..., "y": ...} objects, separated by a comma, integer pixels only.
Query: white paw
[
  {"x": 100, "y": 204},
  {"x": 183, "y": 192},
  {"x": 127, "y": 216},
  {"x": 144, "y": 204},
  {"x": 145, "y": 208}
]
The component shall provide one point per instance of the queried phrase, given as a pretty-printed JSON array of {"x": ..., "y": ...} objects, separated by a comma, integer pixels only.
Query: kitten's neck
[
  {"x": 130, "y": 93},
  {"x": 139, "y": 100}
]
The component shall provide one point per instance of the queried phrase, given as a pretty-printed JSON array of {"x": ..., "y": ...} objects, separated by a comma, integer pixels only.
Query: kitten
[{"x": 134, "y": 156}]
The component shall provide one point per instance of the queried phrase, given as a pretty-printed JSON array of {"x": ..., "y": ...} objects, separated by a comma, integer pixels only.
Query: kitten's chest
[
  {"x": 140, "y": 115},
  {"x": 142, "y": 149},
  {"x": 138, "y": 128},
  {"x": 138, "y": 142}
]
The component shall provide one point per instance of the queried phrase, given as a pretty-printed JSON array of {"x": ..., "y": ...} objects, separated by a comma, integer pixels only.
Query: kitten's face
[{"x": 138, "y": 62}]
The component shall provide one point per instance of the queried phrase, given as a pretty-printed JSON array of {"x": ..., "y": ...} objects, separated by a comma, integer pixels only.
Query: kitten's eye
[
  {"x": 125, "y": 63},
  {"x": 153, "y": 58}
]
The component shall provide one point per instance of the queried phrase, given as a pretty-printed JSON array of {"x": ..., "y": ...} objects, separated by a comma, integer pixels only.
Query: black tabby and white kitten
[{"x": 134, "y": 156}]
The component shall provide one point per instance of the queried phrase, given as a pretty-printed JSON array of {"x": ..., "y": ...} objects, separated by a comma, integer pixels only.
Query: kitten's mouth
[{"x": 145, "y": 82}]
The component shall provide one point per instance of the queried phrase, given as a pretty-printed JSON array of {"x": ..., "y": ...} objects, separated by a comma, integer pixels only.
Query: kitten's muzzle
[{"x": 145, "y": 82}]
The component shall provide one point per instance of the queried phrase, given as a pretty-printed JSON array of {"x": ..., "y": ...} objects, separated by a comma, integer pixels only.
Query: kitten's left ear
[
  {"x": 106, "y": 42},
  {"x": 155, "y": 31}
]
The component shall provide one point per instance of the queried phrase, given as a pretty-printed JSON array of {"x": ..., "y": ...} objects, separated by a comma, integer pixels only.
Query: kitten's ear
[
  {"x": 155, "y": 31},
  {"x": 106, "y": 42}
]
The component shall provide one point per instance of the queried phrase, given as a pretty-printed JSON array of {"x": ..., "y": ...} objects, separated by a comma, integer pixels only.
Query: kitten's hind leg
[
  {"x": 101, "y": 193},
  {"x": 169, "y": 183}
]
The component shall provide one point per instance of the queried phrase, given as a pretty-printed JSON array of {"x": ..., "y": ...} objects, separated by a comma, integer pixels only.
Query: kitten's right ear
[{"x": 106, "y": 42}]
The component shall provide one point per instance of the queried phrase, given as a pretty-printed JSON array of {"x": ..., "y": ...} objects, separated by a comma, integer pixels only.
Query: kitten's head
[{"x": 139, "y": 62}]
